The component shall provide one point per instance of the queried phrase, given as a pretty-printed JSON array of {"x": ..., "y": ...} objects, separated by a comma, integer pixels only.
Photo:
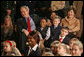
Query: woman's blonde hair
[{"x": 11, "y": 25}]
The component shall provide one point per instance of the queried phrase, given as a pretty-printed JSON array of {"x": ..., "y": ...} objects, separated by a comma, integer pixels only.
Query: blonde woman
[{"x": 7, "y": 29}]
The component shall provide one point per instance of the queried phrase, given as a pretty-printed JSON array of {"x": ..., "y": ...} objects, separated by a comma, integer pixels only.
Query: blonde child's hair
[
  {"x": 14, "y": 49},
  {"x": 48, "y": 54},
  {"x": 55, "y": 43},
  {"x": 79, "y": 44}
]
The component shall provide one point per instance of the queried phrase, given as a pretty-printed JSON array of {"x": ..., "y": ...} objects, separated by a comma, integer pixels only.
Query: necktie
[
  {"x": 29, "y": 25},
  {"x": 60, "y": 40}
]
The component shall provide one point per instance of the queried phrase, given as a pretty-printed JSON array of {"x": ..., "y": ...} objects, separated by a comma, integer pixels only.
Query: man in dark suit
[
  {"x": 33, "y": 48},
  {"x": 24, "y": 26}
]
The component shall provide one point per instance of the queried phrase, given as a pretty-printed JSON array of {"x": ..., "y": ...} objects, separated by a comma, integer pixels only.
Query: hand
[
  {"x": 26, "y": 32},
  {"x": 70, "y": 30}
]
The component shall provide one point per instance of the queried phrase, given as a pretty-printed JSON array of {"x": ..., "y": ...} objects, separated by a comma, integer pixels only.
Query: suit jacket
[
  {"x": 33, "y": 53},
  {"x": 66, "y": 40},
  {"x": 22, "y": 39},
  {"x": 55, "y": 32}
]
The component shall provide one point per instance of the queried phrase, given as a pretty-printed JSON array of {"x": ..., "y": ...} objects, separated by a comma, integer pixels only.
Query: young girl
[
  {"x": 77, "y": 49},
  {"x": 72, "y": 41},
  {"x": 9, "y": 49},
  {"x": 62, "y": 50}
]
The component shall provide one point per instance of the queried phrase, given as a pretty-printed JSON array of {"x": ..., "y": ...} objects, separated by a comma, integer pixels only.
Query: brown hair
[{"x": 71, "y": 8}]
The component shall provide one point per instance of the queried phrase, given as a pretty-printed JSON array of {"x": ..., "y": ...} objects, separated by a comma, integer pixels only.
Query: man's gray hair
[{"x": 26, "y": 7}]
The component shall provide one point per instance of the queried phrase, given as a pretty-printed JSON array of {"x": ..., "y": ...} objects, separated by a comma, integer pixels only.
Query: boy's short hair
[
  {"x": 65, "y": 28},
  {"x": 57, "y": 17},
  {"x": 54, "y": 43},
  {"x": 44, "y": 19}
]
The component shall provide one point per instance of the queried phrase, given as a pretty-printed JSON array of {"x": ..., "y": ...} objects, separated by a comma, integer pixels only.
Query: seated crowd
[{"x": 53, "y": 37}]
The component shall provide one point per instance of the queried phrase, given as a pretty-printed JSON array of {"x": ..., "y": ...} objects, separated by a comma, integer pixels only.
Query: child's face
[
  {"x": 64, "y": 32},
  {"x": 43, "y": 23},
  {"x": 56, "y": 22},
  {"x": 71, "y": 44},
  {"x": 75, "y": 51},
  {"x": 31, "y": 41},
  {"x": 52, "y": 48},
  {"x": 7, "y": 47},
  {"x": 61, "y": 50}
]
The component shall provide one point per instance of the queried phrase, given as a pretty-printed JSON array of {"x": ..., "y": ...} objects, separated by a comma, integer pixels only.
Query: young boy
[
  {"x": 54, "y": 46},
  {"x": 77, "y": 49},
  {"x": 33, "y": 49},
  {"x": 72, "y": 41},
  {"x": 55, "y": 29},
  {"x": 44, "y": 32},
  {"x": 63, "y": 37}
]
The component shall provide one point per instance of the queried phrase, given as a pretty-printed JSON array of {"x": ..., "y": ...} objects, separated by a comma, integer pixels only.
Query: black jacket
[{"x": 33, "y": 53}]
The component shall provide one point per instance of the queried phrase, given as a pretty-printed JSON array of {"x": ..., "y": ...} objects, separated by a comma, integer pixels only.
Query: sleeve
[
  {"x": 48, "y": 34},
  {"x": 33, "y": 27},
  {"x": 77, "y": 27}
]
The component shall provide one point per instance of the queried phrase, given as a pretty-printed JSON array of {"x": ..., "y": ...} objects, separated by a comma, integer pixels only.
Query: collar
[
  {"x": 29, "y": 17},
  {"x": 61, "y": 37},
  {"x": 35, "y": 47}
]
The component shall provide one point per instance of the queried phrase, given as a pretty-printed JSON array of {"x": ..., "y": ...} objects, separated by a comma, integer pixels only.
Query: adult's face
[
  {"x": 8, "y": 12},
  {"x": 71, "y": 14},
  {"x": 24, "y": 12},
  {"x": 7, "y": 21},
  {"x": 53, "y": 15}
]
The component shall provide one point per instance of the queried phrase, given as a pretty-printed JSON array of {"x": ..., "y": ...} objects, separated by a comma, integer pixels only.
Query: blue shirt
[{"x": 33, "y": 27}]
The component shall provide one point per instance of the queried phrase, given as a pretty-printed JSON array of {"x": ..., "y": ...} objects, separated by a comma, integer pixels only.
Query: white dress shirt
[
  {"x": 47, "y": 34},
  {"x": 34, "y": 49}
]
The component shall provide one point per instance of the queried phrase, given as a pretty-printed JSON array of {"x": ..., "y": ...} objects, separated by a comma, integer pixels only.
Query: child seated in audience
[
  {"x": 54, "y": 46},
  {"x": 55, "y": 29},
  {"x": 9, "y": 49},
  {"x": 33, "y": 48},
  {"x": 77, "y": 49},
  {"x": 62, "y": 50},
  {"x": 72, "y": 41},
  {"x": 44, "y": 32},
  {"x": 63, "y": 37}
]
